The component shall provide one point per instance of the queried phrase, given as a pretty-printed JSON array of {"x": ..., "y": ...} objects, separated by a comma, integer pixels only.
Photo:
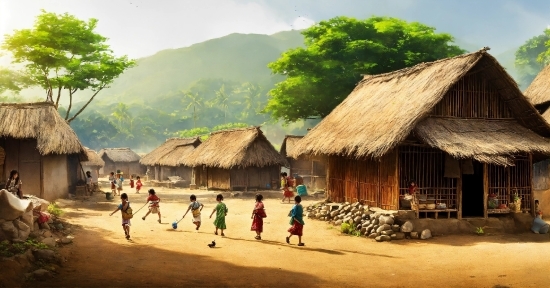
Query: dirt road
[{"x": 158, "y": 256}]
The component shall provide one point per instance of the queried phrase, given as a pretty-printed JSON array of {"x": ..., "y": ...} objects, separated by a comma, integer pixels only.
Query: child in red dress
[
  {"x": 138, "y": 185},
  {"x": 153, "y": 200}
]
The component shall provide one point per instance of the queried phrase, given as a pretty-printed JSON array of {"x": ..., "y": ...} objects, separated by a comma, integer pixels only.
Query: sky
[{"x": 140, "y": 28}]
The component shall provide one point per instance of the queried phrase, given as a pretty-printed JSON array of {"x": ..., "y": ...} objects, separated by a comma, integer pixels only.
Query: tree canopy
[
  {"x": 338, "y": 51},
  {"x": 532, "y": 56},
  {"x": 63, "y": 55}
]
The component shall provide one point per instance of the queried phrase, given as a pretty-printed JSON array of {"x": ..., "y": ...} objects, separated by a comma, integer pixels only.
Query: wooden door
[{"x": 30, "y": 168}]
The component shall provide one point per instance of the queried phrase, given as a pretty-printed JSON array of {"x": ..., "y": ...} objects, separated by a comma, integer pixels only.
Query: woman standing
[
  {"x": 258, "y": 215},
  {"x": 14, "y": 184},
  {"x": 297, "y": 221}
]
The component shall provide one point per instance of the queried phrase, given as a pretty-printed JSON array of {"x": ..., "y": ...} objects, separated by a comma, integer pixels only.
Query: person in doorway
[
  {"x": 258, "y": 215},
  {"x": 154, "y": 207},
  {"x": 221, "y": 212},
  {"x": 14, "y": 184},
  {"x": 123, "y": 207},
  {"x": 287, "y": 192},
  {"x": 412, "y": 187},
  {"x": 138, "y": 184},
  {"x": 89, "y": 184},
  {"x": 297, "y": 221},
  {"x": 112, "y": 180},
  {"x": 196, "y": 209}
]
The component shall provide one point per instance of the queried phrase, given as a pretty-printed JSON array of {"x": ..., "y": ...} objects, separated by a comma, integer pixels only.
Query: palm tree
[
  {"x": 194, "y": 101},
  {"x": 121, "y": 113},
  {"x": 222, "y": 99}
]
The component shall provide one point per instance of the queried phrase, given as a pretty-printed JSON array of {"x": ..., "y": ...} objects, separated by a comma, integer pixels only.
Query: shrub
[
  {"x": 8, "y": 249},
  {"x": 54, "y": 209}
]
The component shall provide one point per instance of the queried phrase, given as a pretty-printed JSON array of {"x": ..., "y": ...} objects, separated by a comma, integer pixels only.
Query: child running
[
  {"x": 287, "y": 192},
  {"x": 221, "y": 212},
  {"x": 153, "y": 200},
  {"x": 119, "y": 180},
  {"x": 112, "y": 179},
  {"x": 297, "y": 221},
  {"x": 123, "y": 207},
  {"x": 258, "y": 215},
  {"x": 196, "y": 209},
  {"x": 138, "y": 184}
]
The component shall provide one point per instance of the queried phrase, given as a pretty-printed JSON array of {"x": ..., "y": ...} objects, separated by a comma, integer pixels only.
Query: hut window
[{"x": 504, "y": 182}]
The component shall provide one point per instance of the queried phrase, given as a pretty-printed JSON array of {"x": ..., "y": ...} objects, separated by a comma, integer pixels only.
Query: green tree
[
  {"x": 62, "y": 53},
  {"x": 338, "y": 51},
  {"x": 13, "y": 80},
  {"x": 532, "y": 56},
  {"x": 193, "y": 100},
  {"x": 222, "y": 100},
  {"x": 122, "y": 114}
]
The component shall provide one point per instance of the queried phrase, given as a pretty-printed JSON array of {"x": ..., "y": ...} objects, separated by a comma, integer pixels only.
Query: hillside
[{"x": 235, "y": 57}]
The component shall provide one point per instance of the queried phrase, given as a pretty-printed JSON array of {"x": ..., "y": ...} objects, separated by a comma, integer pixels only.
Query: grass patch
[
  {"x": 54, "y": 209},
  {"x": 8, "y": 249},
  {"x": 350, "y": 229}
]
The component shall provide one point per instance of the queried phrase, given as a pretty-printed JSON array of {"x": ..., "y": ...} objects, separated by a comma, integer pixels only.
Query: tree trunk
[{"x": 86, "y": 105}]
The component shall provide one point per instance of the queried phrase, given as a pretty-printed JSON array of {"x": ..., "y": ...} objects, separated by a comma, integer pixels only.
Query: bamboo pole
[{"x": 485, "y": 189}]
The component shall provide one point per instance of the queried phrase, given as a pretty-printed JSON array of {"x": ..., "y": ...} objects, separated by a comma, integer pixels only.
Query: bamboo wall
[
  {"x": 370, "y": 181},
  {"x": 311, "y": 169},
  {"x": 218, "y": 178},
  {"x": 541, "y": 175},
  {"x": 506, "y": 181},
  {"x": 472, "y": 97},
  {"x": 426, "y": 166}
]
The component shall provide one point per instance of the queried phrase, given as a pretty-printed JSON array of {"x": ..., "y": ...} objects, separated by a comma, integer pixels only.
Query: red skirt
[
  {"x": 287, "y": 193},
  {"x": 113, "y": 186},
  {"x": 257, "y": 224},
  {"x": 296, "y": 228}
]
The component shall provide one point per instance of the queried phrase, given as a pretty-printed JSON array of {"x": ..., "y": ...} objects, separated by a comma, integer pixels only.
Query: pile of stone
[
  {"x": 372, "y": 222},
  {"x": 20, "y": 219}
]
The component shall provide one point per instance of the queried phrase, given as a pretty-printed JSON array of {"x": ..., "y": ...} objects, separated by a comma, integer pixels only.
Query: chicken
[{"x": 213, "y": 244}]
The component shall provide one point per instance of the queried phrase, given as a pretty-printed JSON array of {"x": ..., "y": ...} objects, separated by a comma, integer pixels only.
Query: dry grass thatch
[
  {"x": 539, "y": 90},
  {"x": 384, "y": 109},
  {"x": 121, "y": 155},
  {"x": 288, "y": 143},
  {"x": 170, "y": 152},
  {"x": 42, "y": 122},
  {"x": 93, "y": 159},
  {"x": 489, "y": 141},
  {"x": 237, "y": 148}
]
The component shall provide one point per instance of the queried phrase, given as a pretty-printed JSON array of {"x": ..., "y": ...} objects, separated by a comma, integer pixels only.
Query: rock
[
  {"x": 9, "y": 230},
  {"x": 333, "y": 213},
  {"x": 372, "y": 235},
  {"x": 386, "y": 220},
  {"x": 395, "y": 228},
  {"x": 41, "y": 274},
  {"x": 426, "y": 234},
  {"x": 338, "y": 222},
  {"x": 382, "y": 238},
  {"x": 45, "y": 255},
  {"x": 28, "y": 219},
  {"x": 23, "y": 229},
  {"x": 357, "y": 220},
  {"x": 387, "y": 232},
  {"x": 363, "y": 230},
  {"x": 376, "y": 221},
  {"x": 383, "y": 228},
  {"x": 49, "y": 241},
  {"x": 35, "y": 226},
  {"x": 50, "y": 220},
  {"x": 44, "y": 226},
  {"x": 46, "y": 233},
  {"x": 407, "y": 227},
  {"x": 398, "y": 236},
  {"x": 318, "y": 215},
  {"x": 310, "y": 215},
  {"x": 324, "y": 212},
  {"x": 66, "y": 240},
  {"x": 414, "y": 235}
]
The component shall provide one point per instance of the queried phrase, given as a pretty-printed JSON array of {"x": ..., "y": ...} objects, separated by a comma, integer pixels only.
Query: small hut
[
  {"x": 94, "y": 164},
  {"x": 166, "y": 160},
  {"x": 123, "y": 159},
  {"x": 238, "y": 159},
  {"x": 460, "y": 128},
  {"x": 311, "y": 168},
  {"x": 38, "y": 143},
  {"x": 538, "y": 94}
]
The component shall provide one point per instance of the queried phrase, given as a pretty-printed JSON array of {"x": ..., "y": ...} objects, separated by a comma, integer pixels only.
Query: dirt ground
[{"x": 159, "y": 256}]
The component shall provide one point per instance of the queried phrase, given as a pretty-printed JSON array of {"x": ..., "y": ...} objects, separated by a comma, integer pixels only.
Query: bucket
[
  {"x": 175, "y": 225},
  {"x": 109, "y": 196}
]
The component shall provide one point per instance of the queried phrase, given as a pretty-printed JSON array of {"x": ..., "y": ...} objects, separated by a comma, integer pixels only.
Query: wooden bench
[{"x": 436, "y": 212}]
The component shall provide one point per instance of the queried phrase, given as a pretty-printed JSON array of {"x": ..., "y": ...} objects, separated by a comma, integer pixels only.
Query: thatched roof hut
[
  {"x": 539, "y": 92},
  {"x": 288, "y": 143},
  {"x": 93, "y": 159},
  {"x": 383, "y": 110},
  {"x": 42, "y": 122},
  {"x": 171, "y": 153},
  {"x": 246, "y": 147},
  {"x": 123, "y": 155}
]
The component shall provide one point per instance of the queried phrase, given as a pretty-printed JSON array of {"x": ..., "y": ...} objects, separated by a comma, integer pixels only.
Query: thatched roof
[
  {"x": 246, "y": 147},
  {"x": 488, "y": 141},
  {"x": 288, "y": 143},
  {"x": 384, "y": 109},
  {"x": 124, "y": 155},
  {"x": 539, "y": 90},
  {"x": 42, "y": 122},
  {"x": 93, "y": 159},
  {"x": 171, "y": 151}
]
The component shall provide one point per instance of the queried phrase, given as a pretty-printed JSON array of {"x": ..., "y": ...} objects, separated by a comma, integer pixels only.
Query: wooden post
[
  {"x": 485, "y": 189},
  {"x": 459, "y": 195},
  {"x": 327, "y": 179},
  {"x": 396, "y": 179},
  {"x": 531, "y": 196}
]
